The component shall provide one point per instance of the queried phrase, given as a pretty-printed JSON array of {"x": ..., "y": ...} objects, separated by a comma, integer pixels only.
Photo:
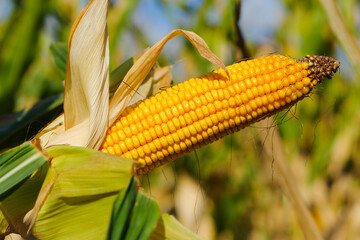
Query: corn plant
[{"x": 77, "y": 178}]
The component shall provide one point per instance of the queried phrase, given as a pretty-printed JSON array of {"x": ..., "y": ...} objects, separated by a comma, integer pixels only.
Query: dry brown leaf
[
  {"x": 48, "y": 134},
  {"x": 14, "y": 236},
  {"x": 86, "y": 99},
  {"x": 158, "y": 80},
  {"x": 144, "y": 64},
  {"x": 162, "y": 79},
  {"x": 143, "y": 91}
]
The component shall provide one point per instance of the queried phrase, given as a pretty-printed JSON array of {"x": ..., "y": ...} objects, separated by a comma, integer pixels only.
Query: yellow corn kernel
[{"x": 201, "y": 110}]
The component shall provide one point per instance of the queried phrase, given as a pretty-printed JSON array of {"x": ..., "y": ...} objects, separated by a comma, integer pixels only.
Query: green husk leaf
[
  {"x": 134, "y": 215},
  {"x": 170, "y": 228},
  {"x": 144, "y": 218},
  {"x": 17, "y": 164},
  {"x": 121, "y": 213},
  {"x": 78, "y": 193}
]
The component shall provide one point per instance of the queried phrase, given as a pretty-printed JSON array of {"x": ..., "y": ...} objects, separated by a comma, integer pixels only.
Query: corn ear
[{"x": 201, "y": 110}]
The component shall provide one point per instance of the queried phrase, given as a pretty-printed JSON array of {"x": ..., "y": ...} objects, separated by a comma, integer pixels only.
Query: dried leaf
[
  {"x": 159, "y": 79},
  {"x": 87, "y": 75},
  {"x": 144, "y": 64},
  {"x": 72, "y": 136},
  {"x": 162, "y": 79},
  {"x": 49, "y": 133},
  {"x": 143, "y": 91}
]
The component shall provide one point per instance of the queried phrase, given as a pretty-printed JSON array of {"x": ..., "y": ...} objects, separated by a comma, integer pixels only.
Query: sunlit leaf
[
  {"x": 18, "y": 164},
  {"x": 86, "y": 99},
  {"x": 169, "y": 228},
  {"x": 18, "y": 203},
  {"x": 80, "y": 188}
]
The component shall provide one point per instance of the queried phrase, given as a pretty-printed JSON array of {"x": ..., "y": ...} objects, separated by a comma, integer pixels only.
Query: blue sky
[
  {"x": 259, "y": 21},
  {"x": 5, "y": 9},
  {"x": 155, "y": 24},
  {"x": 259, "y": 27}
]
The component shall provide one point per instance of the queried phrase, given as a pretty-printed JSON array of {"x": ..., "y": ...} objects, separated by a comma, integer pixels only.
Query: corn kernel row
[{"x": 202, "y": 110}]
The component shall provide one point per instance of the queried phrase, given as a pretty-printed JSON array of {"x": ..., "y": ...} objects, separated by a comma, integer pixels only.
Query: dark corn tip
[{"x": 320, "y": 67}]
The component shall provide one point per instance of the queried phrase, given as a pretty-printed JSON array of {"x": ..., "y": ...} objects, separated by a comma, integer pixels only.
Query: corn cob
[{"x": 201, "y": 110}]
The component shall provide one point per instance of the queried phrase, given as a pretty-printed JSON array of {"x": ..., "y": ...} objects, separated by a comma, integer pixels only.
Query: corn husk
[
  {"x": 87, "y": 79},
  {"x": 170, "y": 228},
  {"x": 77, "y": 195},
  {"x": 134, "y": 215}
]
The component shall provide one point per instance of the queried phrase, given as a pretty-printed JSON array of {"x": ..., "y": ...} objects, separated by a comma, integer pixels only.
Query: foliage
[{"x": 226, "y": 190}]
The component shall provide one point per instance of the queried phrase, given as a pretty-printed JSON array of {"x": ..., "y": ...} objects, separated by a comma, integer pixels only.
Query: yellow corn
[{"x": 201, "y": 110}]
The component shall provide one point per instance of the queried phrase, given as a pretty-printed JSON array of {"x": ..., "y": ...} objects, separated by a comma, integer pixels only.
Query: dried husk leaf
[
  {"x": 144, "y": 64},
  {"x": 162, "y": 79},
  {"x": 51, "y": 131},
  {"x": 143, "y": 91},
  {"x": 157, "y": 80},
  {"x": 14, "y": 236},
  {"x": 87, "y": 77},
  {"x": 59, "y": 136}
]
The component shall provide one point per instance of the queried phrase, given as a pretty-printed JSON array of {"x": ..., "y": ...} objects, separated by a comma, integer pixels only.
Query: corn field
[{"x": 179, "y": 119}]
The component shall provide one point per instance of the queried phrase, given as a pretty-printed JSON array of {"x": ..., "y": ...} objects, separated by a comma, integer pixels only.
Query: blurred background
[{"x": 225, "y": 190}]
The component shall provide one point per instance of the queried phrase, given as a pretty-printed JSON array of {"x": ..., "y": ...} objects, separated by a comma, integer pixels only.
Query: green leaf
[
  {"x": 20, "y": 127},
  {"x": 22, "y": 200},
  {"x": 79, "y": 192},
  {"x": 18, "y": 164},
  {"x": 144, "y": 218},
  {"x": 123, "y": 205},
  {"x": 134, "y": 215},
  {"x": 169, "y": 228},
  {"x": 60, "y": 52}
]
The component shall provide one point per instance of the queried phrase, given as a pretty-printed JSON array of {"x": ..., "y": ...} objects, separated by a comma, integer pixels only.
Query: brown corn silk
[{"x": 201, "y": 110}]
